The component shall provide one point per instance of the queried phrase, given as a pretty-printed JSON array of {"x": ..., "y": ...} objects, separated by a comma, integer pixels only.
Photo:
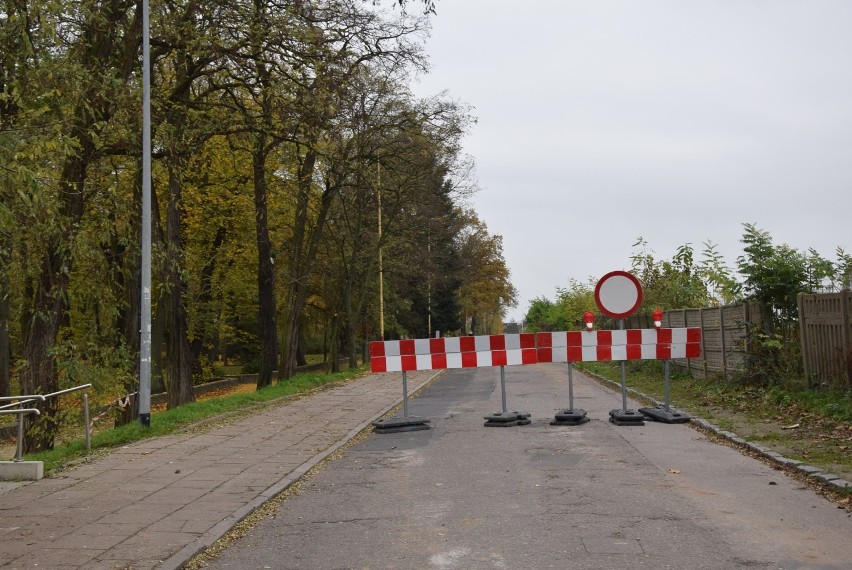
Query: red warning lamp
[
  {"x": 589, "y": 317},
  {"x": 657, "y": 315}
]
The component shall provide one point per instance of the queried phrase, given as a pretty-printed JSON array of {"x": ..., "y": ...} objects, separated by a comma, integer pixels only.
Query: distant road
[{"x": 596, "y": 496}]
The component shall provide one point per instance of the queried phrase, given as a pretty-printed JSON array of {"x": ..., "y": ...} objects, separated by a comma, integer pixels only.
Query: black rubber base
[
  {"x": 670, "y": 416},
  {"x": 508, "y": 419},
  {"x": 568, "y": 417},
  {"x": 626, "y": 418},
  {"x": 395, "y": 425}
]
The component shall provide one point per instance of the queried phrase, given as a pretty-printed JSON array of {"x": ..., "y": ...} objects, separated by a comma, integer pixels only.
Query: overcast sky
[{"x": 602, "y": 121}]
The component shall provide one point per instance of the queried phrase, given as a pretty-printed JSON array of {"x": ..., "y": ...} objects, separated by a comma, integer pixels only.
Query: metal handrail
[
  {"x": 68, "y": 390},
  {"x": 21, "y": 411},
  {"x": 25, "y": 399},
  {"x": 19, "y": 400},
  {"x": 36, "y": 396},
  {"x": 19, "y": 452}
]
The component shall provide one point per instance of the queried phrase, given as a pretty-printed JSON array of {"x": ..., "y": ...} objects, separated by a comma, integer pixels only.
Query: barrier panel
[
  {"x": 533, "y": 348},
  {"x": 453, "y": 352},
  {"x": 608, "y": 345}
]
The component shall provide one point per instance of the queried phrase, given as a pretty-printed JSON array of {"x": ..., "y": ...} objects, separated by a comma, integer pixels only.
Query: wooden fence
[
  {"x": 825, "y": 329},
  {"x": 724, "y": 340},
  {"x": 824, "y": 325}
]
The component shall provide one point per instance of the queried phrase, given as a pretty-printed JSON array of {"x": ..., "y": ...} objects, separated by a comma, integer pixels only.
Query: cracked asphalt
[{"x": 462, "y": 495}]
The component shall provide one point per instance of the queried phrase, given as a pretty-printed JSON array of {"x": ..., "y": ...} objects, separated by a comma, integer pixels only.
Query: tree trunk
[
  {"x": 130, "y": 324},
  {"x": 38, "y": 375},
  {"x": 351, "y": 346},
  {"x": 179, "y": 353},
  {"x": 297, "y": 285},
  {"x": 158, "y": 341},
  {"x": 204, "y": 298},
  {"x": 306, "y": 240},
  {"x": 334, "y": 349},
  {"x": 5, "y": 352},
  {"x": 41, "y": 325},
  {"x": 93, "y": 111},
  {"x": 301, "y": 359},
  {"x": 127, "y": 261},
  {"x": 265, "y": 272}
]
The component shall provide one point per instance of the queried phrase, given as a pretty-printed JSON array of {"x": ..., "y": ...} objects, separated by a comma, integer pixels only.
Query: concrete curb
[
  {"x": 829, "y": 479},
  {"x": 184, "y": 555}
]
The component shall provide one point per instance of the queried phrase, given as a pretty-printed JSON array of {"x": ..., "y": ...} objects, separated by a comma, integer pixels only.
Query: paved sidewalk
[{"x": 156, "y": 503}]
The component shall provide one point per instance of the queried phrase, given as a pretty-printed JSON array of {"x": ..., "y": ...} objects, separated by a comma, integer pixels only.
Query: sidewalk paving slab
[{"x": 156, "y": 503}]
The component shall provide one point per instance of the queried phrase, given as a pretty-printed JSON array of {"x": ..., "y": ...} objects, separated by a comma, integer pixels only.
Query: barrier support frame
[
  {"x": 570, "y": 416},
  {"x": 625, "y": 417},
  {"x": 405, "y": 423},
  {"x": 665, "y": 413},
  {"x": 505, "y": 418}
]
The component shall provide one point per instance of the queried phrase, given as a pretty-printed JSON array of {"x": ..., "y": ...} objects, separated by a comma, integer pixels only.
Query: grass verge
[
  {"x": 812, "y": 427},
  {"x": 165, "y": 422}
]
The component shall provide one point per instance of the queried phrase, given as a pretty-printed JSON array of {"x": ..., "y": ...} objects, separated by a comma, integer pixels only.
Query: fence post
[
  {"x": 688, "y": 360},
  {"x": 803, "y": 339},
  {"x": 747, "y": 324},
  {"x": 847, "y": 345},
  {"x": 724, "y": 346}
]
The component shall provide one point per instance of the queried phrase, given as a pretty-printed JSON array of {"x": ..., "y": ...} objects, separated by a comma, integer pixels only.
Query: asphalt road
[{"x": 462, "y": 495}]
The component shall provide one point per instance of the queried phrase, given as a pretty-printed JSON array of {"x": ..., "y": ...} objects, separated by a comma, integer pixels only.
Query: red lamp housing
[
  {"x": 657, "y": 315},
  {"x": 589, "y": 317}
]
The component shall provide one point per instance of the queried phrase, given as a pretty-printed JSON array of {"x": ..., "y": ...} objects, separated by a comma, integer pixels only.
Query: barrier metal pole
[
  {"x": 667, "y": 386},
  {"x": 503, "y": 386},
  {"x": 405, "y": 394},
  {"x": 623, "y": 375},
  {"x": 570, "y": 416},
  {"x": 570, "y": 387},
  {"x": 405, "y": 423}
]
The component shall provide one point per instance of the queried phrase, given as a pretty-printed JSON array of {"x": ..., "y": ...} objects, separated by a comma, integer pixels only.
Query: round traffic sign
[{"x": 618, "y": 294}]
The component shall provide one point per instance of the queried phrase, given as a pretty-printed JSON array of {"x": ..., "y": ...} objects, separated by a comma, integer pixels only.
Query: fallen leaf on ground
[
  {"x": 794, "y": 426},
  {"x": 674, "y": 471}
]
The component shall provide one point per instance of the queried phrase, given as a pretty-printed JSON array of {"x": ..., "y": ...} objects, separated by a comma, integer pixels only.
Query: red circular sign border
[{"x": 630, "y": 311}]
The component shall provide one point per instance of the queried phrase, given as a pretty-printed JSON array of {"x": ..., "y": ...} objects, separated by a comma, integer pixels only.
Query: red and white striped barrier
[
  {"x": 452, "y": 352},
  {"x": 605, "y": 345},
  {"x": 530, "y": 348}
]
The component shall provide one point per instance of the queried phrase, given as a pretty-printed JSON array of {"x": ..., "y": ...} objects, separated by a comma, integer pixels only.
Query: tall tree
[
  {"x": 487, "y": 292},
  {"x": 93, "y": 58},
  {"x": 258, "y": 91},
  {"x": 345, "y": 38},
  {"x": 191, "y": 49},
  {"x": 773, "y": 275}
]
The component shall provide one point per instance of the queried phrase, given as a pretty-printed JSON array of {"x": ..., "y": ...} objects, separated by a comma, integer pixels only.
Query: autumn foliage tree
[{"x": 278, "y": 128}]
